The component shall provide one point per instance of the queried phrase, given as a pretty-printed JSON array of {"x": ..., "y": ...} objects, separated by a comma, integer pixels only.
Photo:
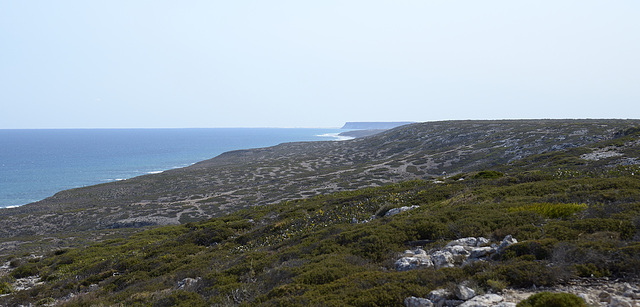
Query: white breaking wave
[{"x": 336, "y": 136}]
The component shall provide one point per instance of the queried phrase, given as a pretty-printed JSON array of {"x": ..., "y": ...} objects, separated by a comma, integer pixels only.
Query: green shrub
[
  {"x": 548, "y": 299},
  {"x": 539, "y": 249},
  {"x": 25, "y": 270},
  {"x": 552, "y": 211},
  {"x": 624, "y": 227},
  {"x": 182, "y": 298},
  {"x": 488, "y": 175},
  {"x": 522, "y": 273},
  {"x": 590, "y": 270},
  {"x": 5, "y": 287},
  {"x": 497, "y": 285}
]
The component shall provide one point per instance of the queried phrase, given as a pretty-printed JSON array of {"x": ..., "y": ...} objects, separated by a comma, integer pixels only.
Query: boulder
[
  {"x": 469, "y": 241},
  {"x": 508, "y": 240},
  {"x": 486, "y": 300},
  {"x": 412, "y": 262},
  {"x": 413, "y": 301},
  {"x": 480, "y": 252},
  {"x": 620, "y": 302},
  {"x": 408, "y": 253},
  {"x": 457, "y": 250},
  {"x": 464, "y": 293},
  {"x": 453, "y": 303},
  {"x": 439, "y": 296},
  {"x": 442, "y": 259},
  {"x": 604, "y": 297},
  {"x": 585, "y": 297},
  {"x": 482, "y": 241},
  {"x": 395, "y": 211},
  {"x": 188, "y": 283}
]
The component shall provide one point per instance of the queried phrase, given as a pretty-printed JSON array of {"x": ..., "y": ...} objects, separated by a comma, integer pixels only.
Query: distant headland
[{"x": 373, "y": 125}]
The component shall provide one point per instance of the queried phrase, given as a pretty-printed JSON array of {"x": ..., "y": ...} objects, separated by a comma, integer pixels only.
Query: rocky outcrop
[
  {"x": 464, "y": 293},
  {"x": 463, "y": 296},
  {"x": 413, "y": 301},
  {"x": 486, "y": 301},
  {"x": 188, "y": 283},
  {"x": 414, "y": 259},
  {"x": 459, "y": 251},
  {"x": 395, "y": 211}
]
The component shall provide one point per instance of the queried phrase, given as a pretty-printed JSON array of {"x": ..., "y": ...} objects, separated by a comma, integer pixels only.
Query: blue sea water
[{"x": 35, "y": 164}]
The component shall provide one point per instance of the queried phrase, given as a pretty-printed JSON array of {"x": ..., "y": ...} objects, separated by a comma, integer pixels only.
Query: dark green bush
[
  {"x": 624, "y": 227},
  {"x": 548, "y": 299},
  {"x": 523, "y": 273},
  {"x": 488, "y": 175},
  {"x": 539, "y": 249},
  {"x": 5, "y": 288},
  {"x": 182, "y": 298},
  {"x": 590, "y": 270},
  {"x": 25, "y": 270}
]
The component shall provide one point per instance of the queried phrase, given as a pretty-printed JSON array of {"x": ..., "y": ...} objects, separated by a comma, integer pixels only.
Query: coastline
[{"x": 40, "y": 169}]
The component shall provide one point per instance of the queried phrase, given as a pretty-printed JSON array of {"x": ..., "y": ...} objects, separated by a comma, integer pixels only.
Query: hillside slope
[
  {"x": 574, "y": 212},
  {"x": 245, "y": 178}
]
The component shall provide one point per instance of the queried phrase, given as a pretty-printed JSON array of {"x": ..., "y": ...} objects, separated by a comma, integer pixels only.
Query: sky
[{"x": 187, "y": 64}]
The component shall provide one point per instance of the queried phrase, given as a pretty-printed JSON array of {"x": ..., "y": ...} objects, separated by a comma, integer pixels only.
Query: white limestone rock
[
  {"x": 469, "y": 241},
  {"x": 457, "y": 250},
  {"x": 413, "y": 301},
  {"x": 439, "y": 296},
  {"x": 395, "y": 211},
  {"x": 442, "y": 259},
  {"x": 486, "y": 300},
  {"x": 464, "y": 293},
  {"x": 482, "y": 241},
  {"x": 480, "y": 252},
  {"x": 617, "y": 301},
  {"x": 508, "y": 240},
  {"x": 412, "y": 262}
]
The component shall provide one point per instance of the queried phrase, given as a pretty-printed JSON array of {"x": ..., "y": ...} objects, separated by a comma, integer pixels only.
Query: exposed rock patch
[
  {"x": 459, "y": 251},
  {"x": 601, "y": 153}
]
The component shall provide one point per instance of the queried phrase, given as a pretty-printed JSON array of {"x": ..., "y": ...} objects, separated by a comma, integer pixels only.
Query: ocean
[{"x": 35, "y": 164}]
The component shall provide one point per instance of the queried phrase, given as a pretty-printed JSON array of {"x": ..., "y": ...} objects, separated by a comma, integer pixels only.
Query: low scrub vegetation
[
  {"x": 339, "y": 249},
  {"x": 548, "y": 299}
]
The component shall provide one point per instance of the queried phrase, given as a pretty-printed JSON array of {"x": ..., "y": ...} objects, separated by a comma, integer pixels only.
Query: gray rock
[
  {"x": 628, "y": 287},
  {"x": 453, "y": 302},
  {"x": 508, "y": 240},
  {"x": 464, "y": 293},
  {"x": 439, "y": 296},
  {"x": 395, "y": 211},
  {"x": 188, "y": 282},
  {"x": 604, "y": 296},
  {"x": 619, "y": 302},
  {"x": 486, "y": 300},
  {"x": 480, "y": 252},
  {"x": 585, "y": 297},
  {"x": 505, "y": 304},
  {"x": 413, "y": 262},
  {"x": 457, "y": 250},
  {"x": 482, "y": 241},
  {"x": 442, "y": 259},
  {"x": 469, "y": 241},
  {"x": 413, "y": 301}
]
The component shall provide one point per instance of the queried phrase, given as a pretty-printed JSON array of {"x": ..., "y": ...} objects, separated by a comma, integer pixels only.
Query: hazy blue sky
[{"x": 67, "y": 64}]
